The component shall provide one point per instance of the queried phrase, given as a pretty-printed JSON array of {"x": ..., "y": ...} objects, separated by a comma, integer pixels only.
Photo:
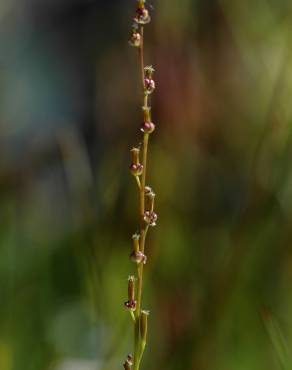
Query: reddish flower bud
[
  {"x": 135, "y": 167},
  {"x": 136, "y": 170},
  {"x": 149, "y": 85},
  {"x": 142, "y": 15},
  {"x": 148, "y": 127},
  {"x": 131, "y": 305},
  {"x": 138, "y": 257}
]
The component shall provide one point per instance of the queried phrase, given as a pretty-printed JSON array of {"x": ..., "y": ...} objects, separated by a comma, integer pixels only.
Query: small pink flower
[
  {"x": 138, "y": 257},
  {"x": 148, "y": 127},
  {"x": 136, "y": 169},
  {"x": 149, "y": 85}
]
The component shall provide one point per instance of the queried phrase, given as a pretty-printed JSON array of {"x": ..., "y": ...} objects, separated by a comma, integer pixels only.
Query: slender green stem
[{"x": 143, "y": 226}]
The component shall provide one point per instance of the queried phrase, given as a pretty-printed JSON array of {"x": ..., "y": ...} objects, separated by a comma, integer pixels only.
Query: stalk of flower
[{"x": 147, "y": 216}]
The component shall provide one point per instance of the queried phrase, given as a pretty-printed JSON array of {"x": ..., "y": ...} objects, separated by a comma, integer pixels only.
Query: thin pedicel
[{"x": 147, "y": 215}]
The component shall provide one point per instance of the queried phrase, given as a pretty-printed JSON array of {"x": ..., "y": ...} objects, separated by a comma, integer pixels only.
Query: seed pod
[
  {"x": 136, "y": 167},
  {"x": 150, "y": 197},
  {"x": 131, "y": 303},
  {"x": 131, "y": 288},
  {"x": 144, "y": 325},
  {"x": 136, "y": 238},
  {"x": 135, "y": 154}
]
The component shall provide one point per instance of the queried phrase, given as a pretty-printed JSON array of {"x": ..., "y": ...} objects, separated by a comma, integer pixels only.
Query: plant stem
[{"x": 143, "y": 227}]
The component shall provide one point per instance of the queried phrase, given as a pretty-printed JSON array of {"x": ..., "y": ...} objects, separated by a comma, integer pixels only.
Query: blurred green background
[{"x": 219, "y": 271}]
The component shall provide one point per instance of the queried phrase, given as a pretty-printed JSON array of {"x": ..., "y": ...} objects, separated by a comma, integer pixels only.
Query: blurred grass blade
[{"x": 278, "y": 340}]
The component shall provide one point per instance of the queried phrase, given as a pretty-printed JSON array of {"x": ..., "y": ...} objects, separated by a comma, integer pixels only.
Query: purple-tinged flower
[
  {"x": 149, "y": 85},
  {"x": 148, "y": 127},
  {"x": 150, "y": 217},
  {"x": 138, "y": 257},
  {"x": 136, "y": 169},
  {"x": 142, "y": 15},
  {"x": 131, "y": 305}
]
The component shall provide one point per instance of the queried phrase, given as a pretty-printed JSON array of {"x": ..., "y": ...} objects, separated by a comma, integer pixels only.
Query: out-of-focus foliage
[{"x": 220, "y": 263}]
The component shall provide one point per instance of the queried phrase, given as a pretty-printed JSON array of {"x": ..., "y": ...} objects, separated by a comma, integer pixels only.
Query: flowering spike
[{"x": 147, "y": 216}]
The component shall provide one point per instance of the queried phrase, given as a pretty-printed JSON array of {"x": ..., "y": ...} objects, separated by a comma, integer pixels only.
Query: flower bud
[
  {"x": 127, "y": 365},
  {"x": 130, "y": 359},
  {"x": 144, "y": 325},
  {"x": 138, "y": 257},
  {"x": 148, "y": 190},
  {"x": 150, "y": 217},
  {"x": 131, "y": 303},
  {"x": 142, "y": 15},
  {"x": 148, "y": 127},
  {"x": 149, "y": 85},
  {"x": 135, "y": 39},
  {"x": 150, "y": 197},
  {"x": 136, "y": 170}
]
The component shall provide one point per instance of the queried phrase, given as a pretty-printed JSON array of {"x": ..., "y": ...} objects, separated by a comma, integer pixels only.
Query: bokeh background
[{"x": 218, "y": 280}]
